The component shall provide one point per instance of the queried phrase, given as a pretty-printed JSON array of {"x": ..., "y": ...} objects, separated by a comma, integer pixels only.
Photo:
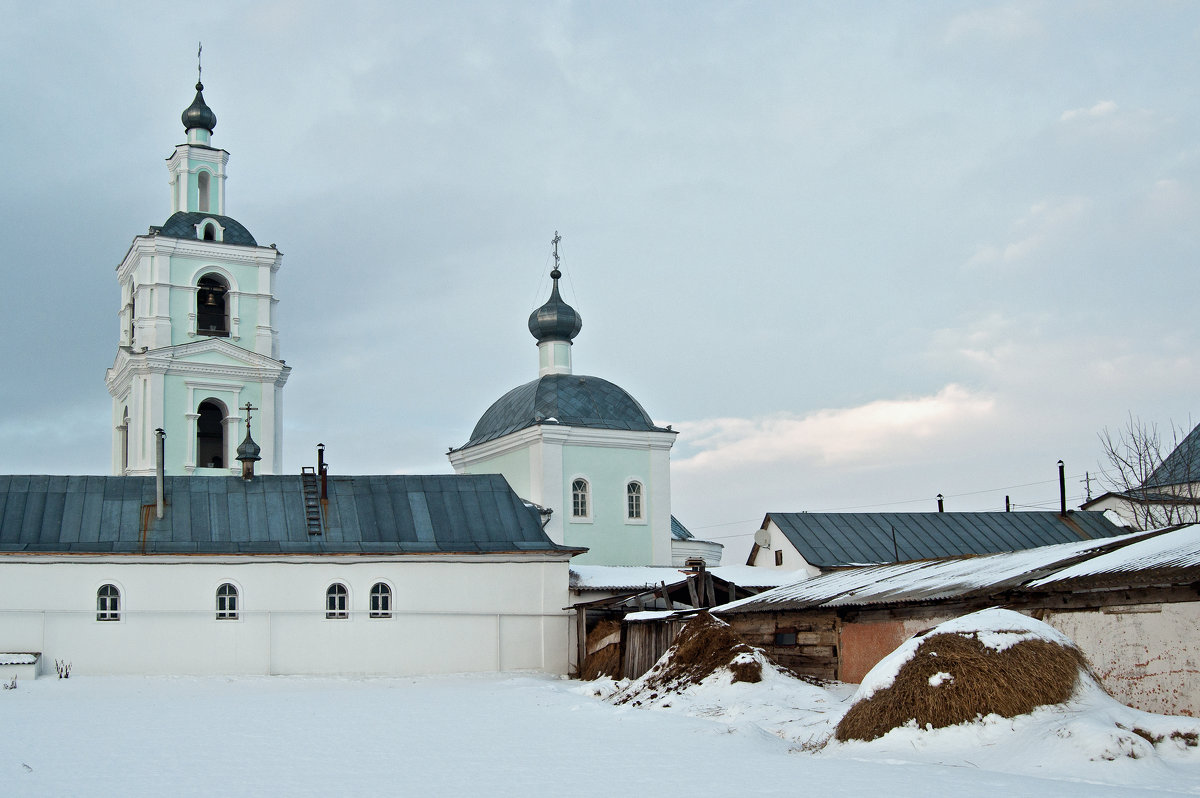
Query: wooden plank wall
[
  {"x": 816, "y": 650},
  {"x": 643, "y": 643}
]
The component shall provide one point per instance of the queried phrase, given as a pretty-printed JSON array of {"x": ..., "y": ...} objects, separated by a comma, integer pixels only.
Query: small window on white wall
[
  {"x": 633, "y": 501},
  {"x": 202, "y": 185},
  {"x": 381, "y": 601},
  {"x": 108, "y": 603},
  {"x": 227, "y": 603},
  {"x": 337, "y": 601},
  {"x": 579, "y": 499}
]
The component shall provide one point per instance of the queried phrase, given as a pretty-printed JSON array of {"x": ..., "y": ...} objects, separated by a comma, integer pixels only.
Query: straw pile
[
  {"x": 602, "y": 660},
  {"x": 953, "y": 678},
  {"x": 704, "y": 646}
]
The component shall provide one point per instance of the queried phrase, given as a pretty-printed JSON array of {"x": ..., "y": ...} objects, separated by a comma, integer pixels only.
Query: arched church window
[
  {"x": 210, "y": 232},
  {"x": 633, "y": 501},
  {"x": 337, "y": 601},
  {"x": 210, "y": 435},
  {"x": 579, "y": 498},
  {"x": 202, "y": 183},
  {"x": 212, "y": 306},
  {"x": 381, "y": 600},
  {"x": 227, "y": 602},
  {"x": 108, "y": 603}
]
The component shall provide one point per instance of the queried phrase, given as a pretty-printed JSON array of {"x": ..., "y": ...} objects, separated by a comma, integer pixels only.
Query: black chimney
[
  {"x": 941, "y": 504},
  {"x": 1062, "y": 489}
]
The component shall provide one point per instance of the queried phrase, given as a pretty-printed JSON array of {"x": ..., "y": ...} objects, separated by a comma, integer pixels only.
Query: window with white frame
[
  {"x": 381, "y": 601},
  {"x": 227, "y": 602},
  {"x": 108, "y": 603},
  {"x": 579, "y": 498},
  {"x": 337, "y": 601},
  {"x": 633, "y": 501}
]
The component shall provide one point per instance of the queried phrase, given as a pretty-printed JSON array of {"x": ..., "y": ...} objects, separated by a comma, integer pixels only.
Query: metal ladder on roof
[{"x": 312, "y": 501}]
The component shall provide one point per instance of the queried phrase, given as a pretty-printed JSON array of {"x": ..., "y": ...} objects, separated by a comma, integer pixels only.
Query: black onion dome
[
  {"x": 248, "y": 450},
  {"x": 571, "y": 400},
  {"x": 198, "y": 114},
  {"x": 555, "y": 320}
]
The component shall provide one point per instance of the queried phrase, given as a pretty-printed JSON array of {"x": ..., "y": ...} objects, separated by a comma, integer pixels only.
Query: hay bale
[
  {"x": 953, "y": 677},
  {"x": 601, "y": 632},
  {"x": 603, "y": 663},
  {"x": 702, "y": 647}
]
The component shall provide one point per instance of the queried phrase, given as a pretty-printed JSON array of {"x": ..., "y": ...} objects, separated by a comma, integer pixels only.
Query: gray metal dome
[
  {"x": 198, "y": 114},
  {"x": 555, "y": 320},
  {"x": 567, "y": 399}
]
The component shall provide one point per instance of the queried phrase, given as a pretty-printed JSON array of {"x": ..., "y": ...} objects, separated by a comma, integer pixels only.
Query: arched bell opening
[{"x": 212, "y": 306}]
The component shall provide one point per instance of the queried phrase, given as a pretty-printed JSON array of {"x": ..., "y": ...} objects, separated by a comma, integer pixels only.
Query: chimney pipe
[
  {"x": 1062, "y": 489},
  {"x": 1007, "y": 505},
  {"x": 941, "y": 504},
  {"x": 159, "y": 469},
  {"x": 321, "y": 469}
]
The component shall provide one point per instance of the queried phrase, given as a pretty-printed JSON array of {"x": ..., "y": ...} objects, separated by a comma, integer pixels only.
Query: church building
[
  {"x": 581, "y": 448},
  {"x": 197, "y": 335}
]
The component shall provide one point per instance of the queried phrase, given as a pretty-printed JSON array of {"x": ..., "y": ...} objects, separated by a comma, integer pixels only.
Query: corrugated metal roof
[
  {"x": 831, "y": 540},
  {"x": 928, "y": 580},
  {"x": 1158, "y": 556},
  {"x": 392, "y": 514}
]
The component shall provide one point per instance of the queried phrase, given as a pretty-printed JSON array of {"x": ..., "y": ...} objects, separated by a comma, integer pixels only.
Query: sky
[{"x": 857, "y": 254}]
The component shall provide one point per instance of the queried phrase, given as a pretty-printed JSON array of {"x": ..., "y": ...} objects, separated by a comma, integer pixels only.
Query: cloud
[
  {"x": 844, "y": 436},
  {"x": 1102, "y": 108},
  {"x": 1045, "y": 221},
  {"x": 1004, "y": 23}
]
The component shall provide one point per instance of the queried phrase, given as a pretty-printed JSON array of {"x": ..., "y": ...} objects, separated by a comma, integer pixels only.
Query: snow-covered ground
[{"x": 528, "y": 735}]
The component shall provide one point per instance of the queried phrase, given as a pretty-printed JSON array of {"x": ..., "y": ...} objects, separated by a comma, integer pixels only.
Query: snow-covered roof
[
  {"x": 1166, "y": 552},
  {"x": 16, "y": 658},
  {"x": 642, "y": 577},
  {"x": 928, "y": 580}
]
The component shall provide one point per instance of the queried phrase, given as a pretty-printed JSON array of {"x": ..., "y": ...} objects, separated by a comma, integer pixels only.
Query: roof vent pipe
[
  {"x": 1062, "y": 489},
  {"x": 941, "y": 504},
  {"x": 322, "y": 469},
  {"x": 159, "y": 469}
]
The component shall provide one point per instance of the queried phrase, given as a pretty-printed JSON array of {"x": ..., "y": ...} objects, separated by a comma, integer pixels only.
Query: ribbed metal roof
[
  {"x": 831, "y": 540},
  {"x": 954, "y": 578},
  {"x": 679, "y": 531},
  {"x": 183, "y": 225},
  {"x": 1181, "y": 466},
  {"x": 227, "y": 515},
  {"x": 1169, "y": 555},
  {"x": 569, "y": 399}
]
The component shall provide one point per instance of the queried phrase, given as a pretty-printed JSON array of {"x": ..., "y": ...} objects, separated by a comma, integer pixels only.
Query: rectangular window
[{"x": 779, "y": 556}]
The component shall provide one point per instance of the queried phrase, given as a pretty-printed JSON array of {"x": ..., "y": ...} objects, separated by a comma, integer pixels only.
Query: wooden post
[
  {"x": 711, "y": 589},
  {"x": 691, "y": 584},
  {"x": 581, "y": 634},
  {"x": 667, "y": 597}
]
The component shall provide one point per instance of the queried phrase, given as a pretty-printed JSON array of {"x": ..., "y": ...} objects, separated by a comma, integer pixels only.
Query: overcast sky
[{"x": 858, "y": 254}]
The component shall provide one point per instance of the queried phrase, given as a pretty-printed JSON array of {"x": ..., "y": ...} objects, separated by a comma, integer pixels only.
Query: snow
[
  {"x": 533, "y": 735},
  {"x": 17, "y": 659},
  {"x": 1177, "y": 549},
  {"x": 642, "y": 577}
]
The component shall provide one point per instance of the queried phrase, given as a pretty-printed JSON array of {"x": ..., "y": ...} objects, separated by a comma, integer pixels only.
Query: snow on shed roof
[
  {"x": 1159, "y": 555},
  {"x": 641, "y": 577},
  {"x": 925, "y": 580}
]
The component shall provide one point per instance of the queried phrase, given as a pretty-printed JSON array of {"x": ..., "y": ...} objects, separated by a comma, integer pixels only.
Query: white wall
[
  {"x": 1148, "y": 655},
  {"x": 448, "y": 616}
]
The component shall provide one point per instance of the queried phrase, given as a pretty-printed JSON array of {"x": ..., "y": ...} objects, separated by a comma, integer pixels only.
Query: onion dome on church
[
  {"x": 248, "y": 449},
  {"x": 571, "y": 400},
  {"x": 555, "y": 320},
  {"x": 198, "y": 114}
]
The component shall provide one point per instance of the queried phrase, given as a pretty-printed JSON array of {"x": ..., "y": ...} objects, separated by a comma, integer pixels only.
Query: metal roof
[
  {"x": 227, "y": 515},
  {"x": 182, "y": 224},
  {"x": 831, "y": 540},
  {"x": 679, "y": 531},
  {"x": 931, "y": 580},
  {"x": 573, "y": 400},
  {"x": 1181, "y": 466},
  {"x": 1171, "y": 555}
]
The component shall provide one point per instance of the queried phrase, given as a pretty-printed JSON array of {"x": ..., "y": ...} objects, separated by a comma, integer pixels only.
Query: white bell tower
[{"x": 197, "y": 335}]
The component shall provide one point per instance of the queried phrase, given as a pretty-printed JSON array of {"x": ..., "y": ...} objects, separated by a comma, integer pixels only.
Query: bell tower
[{"x": 197, "y": 339}]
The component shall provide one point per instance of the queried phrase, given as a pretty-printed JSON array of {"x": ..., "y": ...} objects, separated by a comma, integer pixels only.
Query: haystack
[
  {"x": 1008, "y": 665},
  {"x": 603, "y": 652},
  {"x": 702, "y": 647}
]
